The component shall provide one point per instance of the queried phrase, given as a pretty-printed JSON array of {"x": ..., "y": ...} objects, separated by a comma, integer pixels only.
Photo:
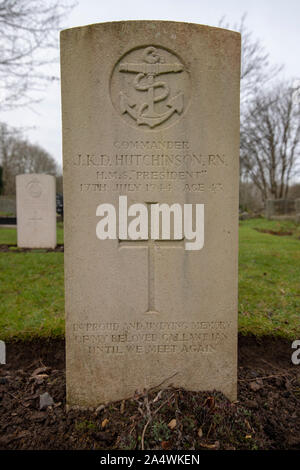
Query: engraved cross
[
  {"x": 35, "y": 217},
  {"x": 151, "y": 245}
]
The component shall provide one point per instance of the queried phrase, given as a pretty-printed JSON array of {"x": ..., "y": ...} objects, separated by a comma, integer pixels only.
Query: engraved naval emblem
[
  {"x": 149, "y": 87},
  {"x": 34, "y": 188}
]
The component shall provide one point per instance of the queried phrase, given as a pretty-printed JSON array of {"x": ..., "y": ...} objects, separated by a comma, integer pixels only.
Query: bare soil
[
  {"x": 279, "y": 233},
  {"x": 4, "y": 248},
  {"x": 266, "y": 416}
]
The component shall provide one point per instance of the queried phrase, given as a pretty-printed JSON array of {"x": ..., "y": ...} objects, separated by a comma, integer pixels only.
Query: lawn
[
  {"x": 32, "y": 294},
  {"x": 269, "y": 279},
  {"x": 8, "y": 236}
]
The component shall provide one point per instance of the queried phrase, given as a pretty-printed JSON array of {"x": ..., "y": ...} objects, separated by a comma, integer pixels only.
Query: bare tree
[
  {"x": 256, "y": 68},
  {"x": 18, "y": 156},
  {"x": 8, "y": 138},
  {"x": 270, "y": 140},
  {"x": 29, "y": 40}
]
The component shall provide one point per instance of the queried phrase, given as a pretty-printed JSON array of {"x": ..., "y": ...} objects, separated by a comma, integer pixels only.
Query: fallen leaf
[
  {"x": 104, "y": 423},
  {"x": 166, "y": 445},
  {"x": 250, "y": 427},
  {"x": 40, "y": 378},
  {"x": 248, "y": 424},
  {"x": 172, "y": 424},
  {"x": 214, "y": 446},
  {"x": 39, "y": 370}
]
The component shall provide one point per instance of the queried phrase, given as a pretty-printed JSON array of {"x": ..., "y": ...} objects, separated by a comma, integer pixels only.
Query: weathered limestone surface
[
  {"x": 151, "y": 111},
  {"x": 36, "y": 211}
]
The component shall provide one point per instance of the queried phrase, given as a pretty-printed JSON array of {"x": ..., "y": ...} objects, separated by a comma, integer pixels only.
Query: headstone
[
  {"x": 36, "y": 211},
  {"x": 278, "y": 207},
  {"x": 269, "y": 208},
  {"x": 297, "y": 210},
  {"x": 2, "y": 352},
  {"x": 151, "y": 112}
]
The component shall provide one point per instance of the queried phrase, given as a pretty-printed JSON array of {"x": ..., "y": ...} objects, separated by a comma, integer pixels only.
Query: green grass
[
  {"x": 8, "y": 236},
  {"x": 274, "y": 225},
  {"x": 7, "y": 214},
  {"x": 269, "y": 279},
  {"x": 32, "y": 293}
]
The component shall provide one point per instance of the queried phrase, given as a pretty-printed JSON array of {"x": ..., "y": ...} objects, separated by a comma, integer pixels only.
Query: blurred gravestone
[
  {"x": 2, "y": 353},
  {"x": 36, "y": 211},
  {"x": 297, "y": 207},
  {"x": 280, "y": 207}
]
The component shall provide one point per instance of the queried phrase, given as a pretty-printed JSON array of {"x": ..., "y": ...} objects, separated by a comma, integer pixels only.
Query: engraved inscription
[
  {"x": 132, "y": 166},
  {"x": 36, "y": 217},
  {"x": 152, "y": 337}
]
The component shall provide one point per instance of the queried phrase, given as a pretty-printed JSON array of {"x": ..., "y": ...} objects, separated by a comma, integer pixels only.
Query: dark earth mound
[
  {"x": 4, "y": 248},
  {"x": 266, "y": 416},
  {"x": 274, "y": 232}
]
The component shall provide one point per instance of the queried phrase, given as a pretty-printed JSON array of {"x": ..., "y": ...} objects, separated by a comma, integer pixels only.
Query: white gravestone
[{"x": 36, "y": 211}]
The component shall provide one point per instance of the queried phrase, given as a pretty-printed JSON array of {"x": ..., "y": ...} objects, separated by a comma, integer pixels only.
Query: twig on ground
[
  {"x": 252, "y": 379},
  {"x": 161, "y": 383},
  {"x": 151, "y": 418}
]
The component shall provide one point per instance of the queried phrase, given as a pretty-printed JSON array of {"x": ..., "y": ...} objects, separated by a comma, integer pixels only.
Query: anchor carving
[{"x": 157, "y": 90}]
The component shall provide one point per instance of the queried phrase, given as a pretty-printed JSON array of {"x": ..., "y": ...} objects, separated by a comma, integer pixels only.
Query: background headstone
[
  {"x": 2, "y": 352},
  {"x": 279, "y": 207},
  {"x": 151, "y": 111},
  {"x": 36, "y": 211},
  {"x": 297, "y": 209},
  {"x": 270, "y": 208}
]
